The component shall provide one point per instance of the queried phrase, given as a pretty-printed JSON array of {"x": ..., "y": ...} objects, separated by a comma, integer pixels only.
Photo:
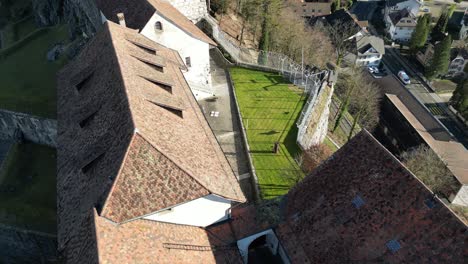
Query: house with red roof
[{"x": 161, "y": 22}]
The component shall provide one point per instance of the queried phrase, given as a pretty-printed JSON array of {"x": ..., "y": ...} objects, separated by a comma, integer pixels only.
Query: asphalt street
[{"x": 431, "y": 101}]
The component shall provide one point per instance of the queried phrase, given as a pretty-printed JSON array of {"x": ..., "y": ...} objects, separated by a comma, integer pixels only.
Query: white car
[
  {"x": 373, "y": 69},
  {"x": 404, "y": 77}
]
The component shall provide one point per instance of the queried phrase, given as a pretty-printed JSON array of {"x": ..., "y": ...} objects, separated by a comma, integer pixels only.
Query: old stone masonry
[{"x": 194, "y": 10}]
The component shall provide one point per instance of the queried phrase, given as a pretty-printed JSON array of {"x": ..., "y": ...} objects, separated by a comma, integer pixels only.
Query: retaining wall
[{"x": 19, "y": 126}]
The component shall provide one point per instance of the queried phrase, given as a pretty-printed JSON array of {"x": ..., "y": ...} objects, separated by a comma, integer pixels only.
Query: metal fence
[
  {"x": 305, "y": 77},
  {"x": 308, "y": 78}
]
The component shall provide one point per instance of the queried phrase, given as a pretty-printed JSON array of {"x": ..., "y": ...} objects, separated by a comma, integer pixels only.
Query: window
[
  {"x": 188, "y": 62},
  {"x": 165, "y": 87},
  {"x": 319, "y": 11},
  {"x": 84, "y": 82},
  {"x": 88, "y": 167},
  {"x": 145, "y": 48},
  {"x": 158, "y": 26}
]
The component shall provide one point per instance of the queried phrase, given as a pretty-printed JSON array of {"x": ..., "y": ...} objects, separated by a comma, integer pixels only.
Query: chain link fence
[
  {"x": 308, "y": 78},
  {"x": 305, "y": 77}
]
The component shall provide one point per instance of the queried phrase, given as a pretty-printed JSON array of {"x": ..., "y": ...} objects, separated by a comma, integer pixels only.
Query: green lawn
[
  {"x": 27, "y": 188},
  {"x": 27, "y": 79},
  {"x": 269, "y": 108}
]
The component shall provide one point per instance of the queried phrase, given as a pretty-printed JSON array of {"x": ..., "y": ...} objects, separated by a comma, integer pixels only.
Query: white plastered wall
[
  {"x": 198, "y": 74},
  {"x": 202, "y": 212}
]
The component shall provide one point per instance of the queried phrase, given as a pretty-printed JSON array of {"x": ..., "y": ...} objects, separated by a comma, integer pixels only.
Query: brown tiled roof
[
  {"x": 123, "y": 132},
  {"x": 138, "y": 12},
  {"x": 136, "y": 193},
  {"x": 363, "y": 198}
]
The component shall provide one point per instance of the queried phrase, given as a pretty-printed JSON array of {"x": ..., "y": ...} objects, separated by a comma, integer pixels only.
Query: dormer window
[
  {"x": 158, "y": 26},
  {"x": 84, "y": 82},
  {"x": 91, "y": 165},
  {"x": 84, "y": 123}
]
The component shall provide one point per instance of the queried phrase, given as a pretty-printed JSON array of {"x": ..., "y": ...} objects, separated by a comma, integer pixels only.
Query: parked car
[
  {"x": 372, "y": 69},
  {"x": 426, "y": 10},
  {"x": 404, "y": 77},
  {"x": 376, "y": 72}
]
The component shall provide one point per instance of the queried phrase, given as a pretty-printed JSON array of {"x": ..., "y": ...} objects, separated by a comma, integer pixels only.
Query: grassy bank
[{"x": 269, "y": 107}]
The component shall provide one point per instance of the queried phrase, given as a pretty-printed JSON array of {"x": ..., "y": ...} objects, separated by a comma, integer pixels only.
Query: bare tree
[
  {"x": 348, "y": 82},
  {"x": 430, "y": 169},
  {"x": 292, "y": 37},
  {"x": 341, "y": 34},
  {"x": 314, "y": 156},
  {"x": 364, "y": 106}
]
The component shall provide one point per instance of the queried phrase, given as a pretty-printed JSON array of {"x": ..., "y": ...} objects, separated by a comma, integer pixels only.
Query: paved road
[{"x": 437, "y": 107}]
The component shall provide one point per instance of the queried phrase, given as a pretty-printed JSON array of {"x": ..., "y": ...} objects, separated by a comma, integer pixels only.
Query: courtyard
[{"x": 269, "y": 107}]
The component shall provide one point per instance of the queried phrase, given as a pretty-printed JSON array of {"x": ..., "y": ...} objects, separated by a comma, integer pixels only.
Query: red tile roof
[
  {"x": 132, "y": 140},
  {"x": 359, "y": 200},
  {"x": 138, "y": 12}
]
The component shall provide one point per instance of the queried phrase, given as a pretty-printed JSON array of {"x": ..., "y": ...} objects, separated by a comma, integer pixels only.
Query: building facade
[{"x": 163, "y": 23}]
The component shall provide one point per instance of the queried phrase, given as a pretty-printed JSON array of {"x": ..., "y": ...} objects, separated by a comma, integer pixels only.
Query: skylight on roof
[
  {"x": 393, "y": 245},
  {"x": 358, "y": 202},
  {"x": 175, "y": 111}
]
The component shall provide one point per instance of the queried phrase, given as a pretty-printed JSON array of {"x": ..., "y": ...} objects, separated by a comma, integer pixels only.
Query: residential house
[
  {"x": 425, "y": 56},
  {"x": 457, "y": 25},
  {"x": 161, "y": 22},
  {"x": 393, "y": 6},
  {"x": 400, "y": 25},
  {"x": 458, "y": 64},
  {"x": 134, "y": 147},
  {"x": 311, "y": 8},
  {"x": 368, "y": 50},
  {"x": 338, "y": 19}
]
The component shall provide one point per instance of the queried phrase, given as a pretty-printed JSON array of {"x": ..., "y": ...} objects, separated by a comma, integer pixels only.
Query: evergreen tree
[
  {"x": 459, "y": 99},
  {"x": 419, "y": 36},
  {"x": 441, "y": 26},
  {"x": 441, "y": 59}
]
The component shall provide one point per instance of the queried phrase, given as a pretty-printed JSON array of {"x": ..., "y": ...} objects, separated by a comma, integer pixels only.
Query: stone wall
[
  {"x": 18, "y": 126},
  {"x": 194, "y": 10},
  {"x": 314, "y": 127}
]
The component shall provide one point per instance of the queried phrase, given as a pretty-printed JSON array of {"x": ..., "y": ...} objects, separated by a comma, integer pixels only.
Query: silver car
[{"x": 404, "y": 77}]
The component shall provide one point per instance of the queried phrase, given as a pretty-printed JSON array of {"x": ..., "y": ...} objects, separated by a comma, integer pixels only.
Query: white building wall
[
  {"x": 402, "y": 33},
  {"x": 194, "y": 10},
  {"x": 412, "y": 6},
  {"x": 370, "y": 60},
  {"x": 462, "y": 196},
  {"x": 198, "y": 75},
  {"x": 199, "y": 212},
  {"x": 271, "y": 241}
]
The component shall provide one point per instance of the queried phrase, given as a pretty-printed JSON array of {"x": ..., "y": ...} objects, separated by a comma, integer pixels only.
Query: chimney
[{"x": 121, "y": 18}]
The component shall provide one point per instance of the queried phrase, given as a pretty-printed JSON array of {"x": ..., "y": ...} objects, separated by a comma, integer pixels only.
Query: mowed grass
[
  {"x": 28, "y": 189},
  {"x": 27, "y": 79},
  {"x": 269, "y": 107}
]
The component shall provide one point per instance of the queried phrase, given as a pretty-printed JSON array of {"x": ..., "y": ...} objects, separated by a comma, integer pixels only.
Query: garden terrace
[{"x": 269, "y": 107}]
